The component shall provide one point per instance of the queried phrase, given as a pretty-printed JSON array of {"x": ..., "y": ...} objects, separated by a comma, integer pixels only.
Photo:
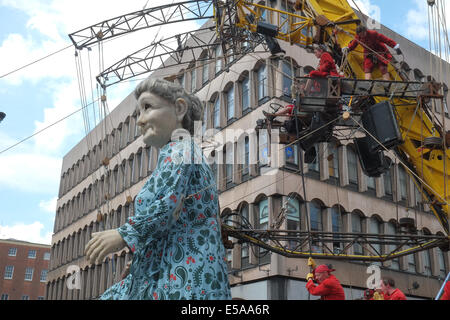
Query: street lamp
[{"x": 2, "y": 116}]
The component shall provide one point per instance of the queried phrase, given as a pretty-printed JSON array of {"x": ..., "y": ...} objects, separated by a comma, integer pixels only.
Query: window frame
[
  {"x": 8, "y": 270},
  {"x": 32, "y": 256},
  {"x": 12, "y": 252}
]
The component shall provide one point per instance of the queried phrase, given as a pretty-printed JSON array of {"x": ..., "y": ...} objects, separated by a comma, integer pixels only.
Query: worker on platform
[
  {"x": 375, "y": 50},
  {"x": 326, "y": 68},
  {"x": 328, "y": 288},
  {"x": 389, "y": 290}
]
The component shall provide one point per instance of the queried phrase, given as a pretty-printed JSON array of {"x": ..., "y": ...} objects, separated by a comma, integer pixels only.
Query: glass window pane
[
  {"x": 352, "y": 166},
  {"x": 287, "y": 78},
  {"x": 245, "y": 94},
  {"x": 263, "y": 212},
  {"x": 217, "y": 112},
  {"x": 230, "y": 103},
  {"x": 262, "y": 83},
  {"x": 263, "y": 148},
  {"x": 292, "y": 154}
]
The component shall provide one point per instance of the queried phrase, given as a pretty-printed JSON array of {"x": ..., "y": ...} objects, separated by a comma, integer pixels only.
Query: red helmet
[{"x": 323, "y": 268}]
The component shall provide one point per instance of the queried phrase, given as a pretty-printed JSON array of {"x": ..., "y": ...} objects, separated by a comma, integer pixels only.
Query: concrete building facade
[
  {"x": 24, "y": 268},
  {"x": 97, "y": 195}
]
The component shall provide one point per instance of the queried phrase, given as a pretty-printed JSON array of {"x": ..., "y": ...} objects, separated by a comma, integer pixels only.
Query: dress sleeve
[{"x": 157, "y": 219}]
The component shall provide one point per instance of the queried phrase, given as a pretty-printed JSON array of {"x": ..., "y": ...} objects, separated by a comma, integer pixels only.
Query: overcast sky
[{"x": 44, "y": 92}]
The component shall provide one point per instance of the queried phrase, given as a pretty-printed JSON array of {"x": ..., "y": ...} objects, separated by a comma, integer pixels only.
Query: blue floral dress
[{"x": 175, "y": 235}]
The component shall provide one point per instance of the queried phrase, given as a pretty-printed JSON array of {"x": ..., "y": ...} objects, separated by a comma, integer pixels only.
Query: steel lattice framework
[{"x": 142, "y": 19}]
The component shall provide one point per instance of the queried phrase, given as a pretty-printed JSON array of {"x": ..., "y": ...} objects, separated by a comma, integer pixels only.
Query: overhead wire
[{"x": 43, "y": 129}]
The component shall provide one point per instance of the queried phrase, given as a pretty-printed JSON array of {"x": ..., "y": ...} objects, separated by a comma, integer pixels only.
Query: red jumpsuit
[
  {"x": 376, "y": 42},
  {"x": 329, "y": 289},
  {"x": 396, "y": 295},
  {"x": 446, "y": 295},
  {"x": 327, "y": 67}
]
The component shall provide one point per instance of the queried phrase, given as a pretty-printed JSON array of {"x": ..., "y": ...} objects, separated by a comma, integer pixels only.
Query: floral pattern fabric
[{"x": 175, "y": 234}]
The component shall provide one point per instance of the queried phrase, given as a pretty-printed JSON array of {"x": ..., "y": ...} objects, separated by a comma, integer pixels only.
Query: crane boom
[{"x": 142, "y": 19}]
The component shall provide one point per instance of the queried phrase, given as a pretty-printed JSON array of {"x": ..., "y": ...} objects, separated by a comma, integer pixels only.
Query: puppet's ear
[{"x": 181, "y": 108}]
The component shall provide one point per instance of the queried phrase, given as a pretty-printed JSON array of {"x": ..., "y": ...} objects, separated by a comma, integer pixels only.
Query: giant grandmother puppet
[{"x": 175, "y": 234}]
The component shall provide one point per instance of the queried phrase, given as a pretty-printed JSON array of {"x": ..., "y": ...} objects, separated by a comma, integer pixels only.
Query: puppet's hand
[{"x": 103, "y": 243}]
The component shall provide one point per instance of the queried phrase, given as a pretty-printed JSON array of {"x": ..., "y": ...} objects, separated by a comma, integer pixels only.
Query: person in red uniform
[
  {"x": 446, "y": 295},
  {"x": 327, "y": 67},
  {"x": 375, "y": 50},
  {"x": 389, "y": 290},
  {"x": 328, "y": 288}
]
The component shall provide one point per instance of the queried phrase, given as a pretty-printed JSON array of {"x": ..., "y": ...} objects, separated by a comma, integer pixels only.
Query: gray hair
[{"x": 171, "y": 92}]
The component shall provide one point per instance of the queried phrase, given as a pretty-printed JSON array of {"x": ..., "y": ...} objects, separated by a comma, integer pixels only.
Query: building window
[
  {"x": 263, "y": 219},
  {"x": 46, "y": 255},
  {"x": 9, "y": 272},
  {"x": 336, "y": 226},
  {"x": 29, "y": 274},
  {"x": 292, "y": 155},
  {"x": 12, "y": 252},
  {"x": 287, "y": 78},
  {"x": 245, "y": 246},
  {"x": 315, "y": 214},
  {"x": 403, "y": 183},
  {"x": 217, "y": 112},
  {"x": 391, "y": 230},
  {"x": 357, "y": 228},
  {"x": 263, "y": 148},
  {"x": 230, "y": 103},
  {"x": 181, "y": 79},
  {"x": 375, "y": 228},
  {"x": 352, "y": 165},
  {"x": 245, "y": 95},
  {"x": 230, "y": 55},
  {"x": 228, "y": 156},
  {"x": 426, "y": 258},
  {"x": 41, "y": 298},
  {"x": 44, "y": 275},
  {"x": 314, "y": 165},
  {"x": 205, "y": 119},
  {"x": 411, "y": 262},
  {"x": 246, "y": 165},
  {"x": 261, "y": 78},
  {"x": 263, "y": 223},
  {"x": 442, "y": 264},
  {"x": 25, "y": 297},
  {"x": 205, "y": 71},
  {"x": 5, "y": 296},
  {"x": 32, "y": 254},
  {"x": 371, "y": 184},
  {"x": 218, "y": 59},
  {"x": 193, "y": 79},
  {"x": 333, "y": 160},
  {"x": 293, "y": 218},
  {"x": 387, "y": 180}
]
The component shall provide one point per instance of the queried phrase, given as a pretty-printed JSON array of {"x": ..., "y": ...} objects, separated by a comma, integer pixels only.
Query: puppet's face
[{"x": 158, "y": 119}]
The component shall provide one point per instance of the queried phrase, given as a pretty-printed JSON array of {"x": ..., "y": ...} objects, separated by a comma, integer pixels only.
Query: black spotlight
[
  {"x": 270, "y": 31},
  {"x": 2, "y": 116}
]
